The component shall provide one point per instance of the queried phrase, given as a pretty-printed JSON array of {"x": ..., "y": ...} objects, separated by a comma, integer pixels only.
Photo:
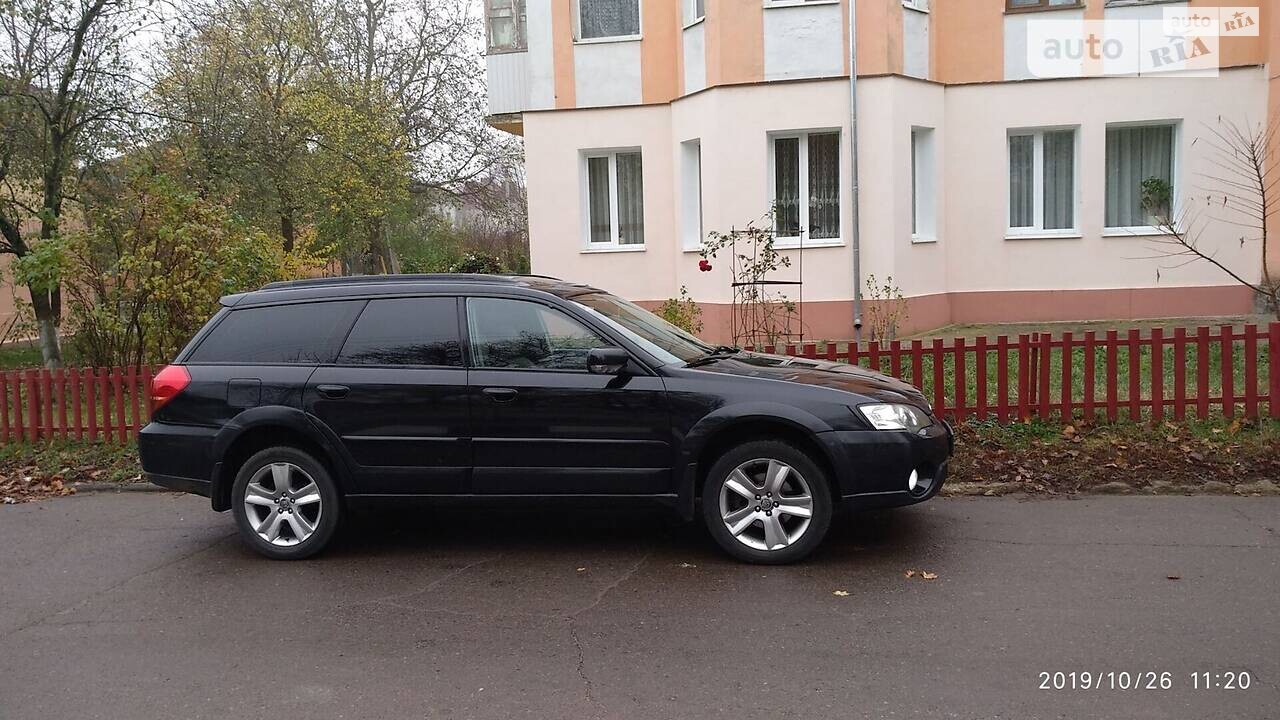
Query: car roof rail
[{"x": 405, "y": 278}]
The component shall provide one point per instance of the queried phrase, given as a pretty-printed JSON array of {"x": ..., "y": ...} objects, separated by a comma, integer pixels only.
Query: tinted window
[
  {"x": 306, "y": 334},
  {"x": 405, "y": 331},
  {"x": 518, "y": 334}
]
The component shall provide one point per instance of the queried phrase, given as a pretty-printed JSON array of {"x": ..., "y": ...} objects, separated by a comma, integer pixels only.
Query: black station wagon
[{"x": 301, "y": 397}]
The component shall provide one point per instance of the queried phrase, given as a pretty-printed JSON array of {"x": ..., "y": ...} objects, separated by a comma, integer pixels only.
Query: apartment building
[{"x": 987, "y": 191}]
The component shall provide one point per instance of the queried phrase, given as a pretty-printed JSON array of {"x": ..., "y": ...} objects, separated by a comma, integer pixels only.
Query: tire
[
  {"x": 303, "y": 523},
  {"x": 781, "y": 534}
]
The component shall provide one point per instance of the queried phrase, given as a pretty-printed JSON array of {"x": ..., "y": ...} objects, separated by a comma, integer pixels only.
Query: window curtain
[
  {"x": 598, "y": 198},
  {"x": 630, "y": 200},
  {"x": 608, "y": 18},
  {"x": 824, "y": 186},
  {"x": 1022, "y": 150},
  {"x": 786, "y": 170},
  {"x": 1059, "y": 179},
  {"x": 1135, "y": 154}
]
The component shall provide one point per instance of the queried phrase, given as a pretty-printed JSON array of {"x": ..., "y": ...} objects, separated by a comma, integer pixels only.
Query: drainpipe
[{"x": 855, "y": 234}]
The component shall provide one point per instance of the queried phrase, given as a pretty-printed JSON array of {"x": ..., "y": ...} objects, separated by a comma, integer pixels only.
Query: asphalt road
[{"x": 145, "y": 605}]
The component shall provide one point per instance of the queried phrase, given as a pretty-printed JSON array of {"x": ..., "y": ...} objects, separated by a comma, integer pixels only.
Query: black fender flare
[
  {"x": 714, "y": 423},
  {"x": 279, "y": 416}
]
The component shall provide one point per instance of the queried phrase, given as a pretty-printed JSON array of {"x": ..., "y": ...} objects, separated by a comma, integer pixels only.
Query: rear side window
[
  {"x": 405, "y": 331},
  {"x": 305, "y": 334}
]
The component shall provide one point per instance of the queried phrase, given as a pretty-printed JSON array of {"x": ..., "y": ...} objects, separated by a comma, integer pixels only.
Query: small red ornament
[{"x": 704, "y": 266}]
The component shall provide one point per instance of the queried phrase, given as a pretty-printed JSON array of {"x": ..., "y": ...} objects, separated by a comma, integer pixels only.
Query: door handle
[
  {"x": 501, "y": 394},
  {"x": 333, "y": 392}
]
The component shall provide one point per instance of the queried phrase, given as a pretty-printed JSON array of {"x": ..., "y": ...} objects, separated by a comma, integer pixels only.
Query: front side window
[
  {"x": 301, "y": 334},
  {"x": 660, "y": 338},
  {"x": 405, "y": 331},
  {"x": 608, "y": 18},
  {"x": 506, "y": 21},
  {"x": 517, "y": 334},
  {"x": 806, "y": 186},
  {"x": 1042, "y": 185},
  {"x": 1136, "y": 157},
  {"x": 615, "y": 199}
]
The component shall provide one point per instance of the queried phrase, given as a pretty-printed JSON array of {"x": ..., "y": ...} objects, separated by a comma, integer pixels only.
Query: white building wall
[
  {"x": 542, "y": 75},
  {"x": 915, "y": 42},
  {"x": 803, "y": 41},
  {"x": 695, "y": 57},
  {"x": 607, "y": 73}
]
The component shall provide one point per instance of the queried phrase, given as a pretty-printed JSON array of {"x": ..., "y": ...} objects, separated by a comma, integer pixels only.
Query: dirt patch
[
  {"x": 1238, "y": 458},
  {"x": 35, "y": 472}
]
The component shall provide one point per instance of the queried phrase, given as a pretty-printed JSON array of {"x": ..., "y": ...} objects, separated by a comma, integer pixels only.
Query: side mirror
[{"x": 607, "y": 361}]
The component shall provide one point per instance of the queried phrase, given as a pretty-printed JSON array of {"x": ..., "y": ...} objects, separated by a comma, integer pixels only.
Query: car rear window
[
  {"x": 405, "y": 331},
  {"x": 303, "y": 334}
]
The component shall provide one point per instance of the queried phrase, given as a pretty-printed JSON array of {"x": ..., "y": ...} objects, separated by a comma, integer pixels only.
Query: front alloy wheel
[
  {"x": 766, "y": 504},
  {"x": 767, "y": 501}
]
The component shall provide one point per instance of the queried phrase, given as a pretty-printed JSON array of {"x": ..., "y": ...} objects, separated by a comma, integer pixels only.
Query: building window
[
  {"x": 1018, "y": 5},
  {"x": 1136, "y": 154},
  {"x": 1042, "y": 181},
  {"x": 923, "y": 193},
  {"x": 615, "y": 200},
  {"x": 694, "y": 10},
  {"x": 806, "y": 186},
  {"x": 920, "y": 5},
  {"x": 691, "y": 194},
  {"x": 608, "y": 19},
  {"x": 506, "y": 22}
]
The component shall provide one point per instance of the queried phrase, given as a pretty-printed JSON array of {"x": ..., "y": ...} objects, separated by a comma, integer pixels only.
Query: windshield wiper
[{"x": 719, "y": 352}]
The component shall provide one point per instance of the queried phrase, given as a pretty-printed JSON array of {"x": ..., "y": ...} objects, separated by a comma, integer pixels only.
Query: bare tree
[
  {"x": 65, "y": 86},
  {"x": 1242, "y": 195}
]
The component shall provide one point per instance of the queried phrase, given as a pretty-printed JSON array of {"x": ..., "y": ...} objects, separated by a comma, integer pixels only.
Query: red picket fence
[
  {"x": 1207, "y": 372},
  {"x": 108, "y": 404},
  {"x": 1135, "y": 376}
]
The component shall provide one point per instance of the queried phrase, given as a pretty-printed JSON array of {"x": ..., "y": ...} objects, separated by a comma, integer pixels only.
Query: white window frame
[
  {"x": 689, "y": 13},
  {"x": 781, "y": 241},
  {"x": 924, "y": 184},
  {"x": 1037, "y": 230},
  {"x": 691, "y": 196},
  {"x": 917, "y": 5},
  {"x": 797, "y": 3},
  {"x": 520, "y": 10},
  {"x": 577, "y": 27},
  {"x": 1174, "y": 170},
  {"x": 614, "y": 230}
]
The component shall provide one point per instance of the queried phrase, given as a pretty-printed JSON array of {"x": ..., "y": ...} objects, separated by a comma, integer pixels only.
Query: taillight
[{"x": 167, "y": 383}]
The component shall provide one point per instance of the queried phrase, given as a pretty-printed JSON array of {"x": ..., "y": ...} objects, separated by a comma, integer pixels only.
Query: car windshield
[{"x": 659, "y": 337}]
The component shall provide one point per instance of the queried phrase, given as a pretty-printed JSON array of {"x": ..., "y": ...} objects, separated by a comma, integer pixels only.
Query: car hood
[{"x": 822, "y": 373}]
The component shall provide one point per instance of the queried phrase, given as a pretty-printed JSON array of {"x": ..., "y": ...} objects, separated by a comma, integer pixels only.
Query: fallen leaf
[
  {"x": 1174, "y": 577},
  {"x": 582, "y": 569},
  {"x": 910, "y": 573},
  {"x": 841, "y": 593},
  {"x": 688, "y": 565},
  {"x": 929, "y": 576}
]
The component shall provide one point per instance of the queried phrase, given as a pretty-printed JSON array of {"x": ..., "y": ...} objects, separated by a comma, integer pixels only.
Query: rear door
[
  {"x": 542, "y": 424},
  {"x": 397, "y": 397}
]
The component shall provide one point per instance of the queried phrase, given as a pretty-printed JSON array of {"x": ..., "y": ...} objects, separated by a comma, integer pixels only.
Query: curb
[{"x": 103, "y": 487}]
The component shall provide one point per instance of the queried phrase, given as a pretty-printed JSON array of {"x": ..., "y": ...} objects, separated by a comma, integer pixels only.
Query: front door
[
  {"x": 397, "y": 397},
  {"x": 542, "y": 424}
]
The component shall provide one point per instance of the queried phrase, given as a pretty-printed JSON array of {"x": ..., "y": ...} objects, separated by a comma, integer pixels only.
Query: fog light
[{"x": 913, "y": 481}]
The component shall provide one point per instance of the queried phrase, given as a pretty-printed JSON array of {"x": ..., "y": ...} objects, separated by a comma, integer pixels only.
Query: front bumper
[{"x": 873, "y": 466}]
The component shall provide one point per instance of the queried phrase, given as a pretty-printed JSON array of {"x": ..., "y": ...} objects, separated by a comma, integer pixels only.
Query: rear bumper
[
  {"x": 177, "y": 457},
  {"x": 873, "y": 467}
]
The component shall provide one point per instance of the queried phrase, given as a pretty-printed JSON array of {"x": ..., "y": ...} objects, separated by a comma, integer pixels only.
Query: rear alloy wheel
[
  {"x": 767, "y": 502},
  {"x": 285, "y": 503}
]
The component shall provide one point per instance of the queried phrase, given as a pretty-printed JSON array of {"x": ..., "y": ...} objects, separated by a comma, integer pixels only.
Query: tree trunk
[
  {"x": 286, "y": 230},
  {"x": 47, "y": 322}
]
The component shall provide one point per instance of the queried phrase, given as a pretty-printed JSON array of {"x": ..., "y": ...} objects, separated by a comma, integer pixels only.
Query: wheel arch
[
  {"x": 714, "y": 436},
  {"x": 260, "y": 428}
]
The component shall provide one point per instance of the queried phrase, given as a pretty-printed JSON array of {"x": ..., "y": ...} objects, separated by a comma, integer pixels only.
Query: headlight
[{"x": 895, "y": 417}]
